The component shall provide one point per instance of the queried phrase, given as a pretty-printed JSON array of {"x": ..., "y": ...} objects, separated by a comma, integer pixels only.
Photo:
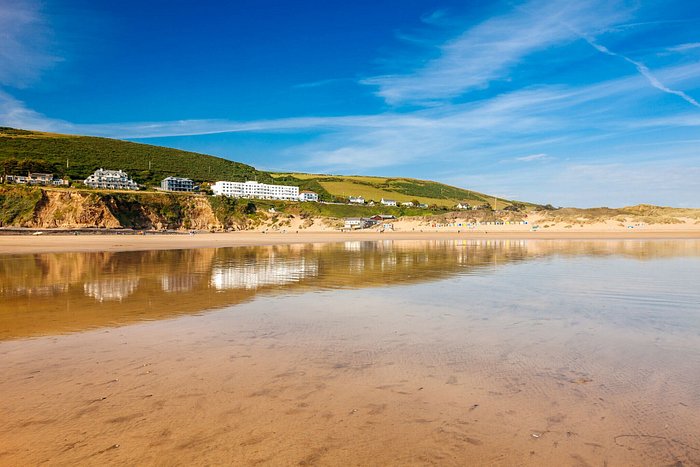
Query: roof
[{"x": 308, "y": 191}]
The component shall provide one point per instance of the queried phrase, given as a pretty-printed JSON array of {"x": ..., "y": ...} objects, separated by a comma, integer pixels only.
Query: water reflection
[{"x": 53, "y": 293}]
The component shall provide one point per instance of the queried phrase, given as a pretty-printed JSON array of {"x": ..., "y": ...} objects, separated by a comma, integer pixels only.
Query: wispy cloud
[
  {"x": 24, "y": 38},
  {"x": 644, "y": 71},
  {"x": 319, "y": 83},
  {"x": 533, "y": 157},
  {"x": 487, "y": 51},
  {"x": 684, "y": 47}
]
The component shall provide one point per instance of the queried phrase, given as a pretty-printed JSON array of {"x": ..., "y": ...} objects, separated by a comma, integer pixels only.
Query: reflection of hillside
[{"x": 51, "y": 293}]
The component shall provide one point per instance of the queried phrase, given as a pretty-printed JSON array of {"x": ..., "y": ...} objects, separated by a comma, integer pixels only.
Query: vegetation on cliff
[{"x": 18, "y": 204}]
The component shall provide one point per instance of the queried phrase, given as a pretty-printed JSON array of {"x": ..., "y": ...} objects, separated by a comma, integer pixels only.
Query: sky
[{"x": 585, "y": 103}]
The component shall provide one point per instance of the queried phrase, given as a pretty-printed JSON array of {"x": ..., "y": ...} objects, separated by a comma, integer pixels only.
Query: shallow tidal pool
[{"x": 525, "y": 352}]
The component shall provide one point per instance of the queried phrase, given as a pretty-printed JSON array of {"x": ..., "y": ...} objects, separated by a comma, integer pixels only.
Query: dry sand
[{"x": 22, "y": 244}]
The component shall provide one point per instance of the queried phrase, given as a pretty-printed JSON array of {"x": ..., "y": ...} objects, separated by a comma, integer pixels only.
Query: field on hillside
[{"x": 399, "y": 189}]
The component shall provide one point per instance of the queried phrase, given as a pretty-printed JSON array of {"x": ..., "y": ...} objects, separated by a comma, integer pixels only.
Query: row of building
[
  {"x": 34, "y": 178},
  {"x": 119, "y": 180},
  {"x": 386, "y": 202}
]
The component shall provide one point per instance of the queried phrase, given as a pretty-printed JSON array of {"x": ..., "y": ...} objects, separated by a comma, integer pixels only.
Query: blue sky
[{"x": 584, "y": 103}]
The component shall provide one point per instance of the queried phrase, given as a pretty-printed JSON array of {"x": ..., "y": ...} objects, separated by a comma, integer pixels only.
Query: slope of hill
[
  {"x": 399, "y": 189},
  {"x": 78, "y": 156}
]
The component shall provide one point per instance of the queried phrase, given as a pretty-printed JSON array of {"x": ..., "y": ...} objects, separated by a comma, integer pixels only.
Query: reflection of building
[
  {"x": 177, "y": 184},
  {"x": 111, "y": 180},
  {"x": 257, "y": 190},
  {"x": 274, "y": 271},
  {"x": 39, "y": 291},
  {"x": 178, "y": 283},
  {"x": 111, "y": 289}
]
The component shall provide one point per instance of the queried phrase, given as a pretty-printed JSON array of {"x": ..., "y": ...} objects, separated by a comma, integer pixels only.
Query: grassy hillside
[
  {"x": 399, "y": 189},
  {"x": 78, "y": 156}
]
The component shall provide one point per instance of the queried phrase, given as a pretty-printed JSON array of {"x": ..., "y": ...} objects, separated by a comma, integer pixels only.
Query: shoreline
[{"x": 62, "y": 243}]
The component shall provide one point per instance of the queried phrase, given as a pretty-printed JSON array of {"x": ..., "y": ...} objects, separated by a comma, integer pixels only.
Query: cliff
[{"x": 69, "y": 209}]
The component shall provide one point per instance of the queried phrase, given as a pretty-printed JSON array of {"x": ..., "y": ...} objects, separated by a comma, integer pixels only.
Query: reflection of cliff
[{"x": 50, "y": 293}]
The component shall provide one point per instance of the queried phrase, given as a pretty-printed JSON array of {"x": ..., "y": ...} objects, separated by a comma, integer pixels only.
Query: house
[
  {"x": 463, "y": 206},
  {"x": 356, "y": 200},
  {"x": 177, "y": 184},
  {"x": 382, "y": 217},
  {"x": 423, "y": 206},
  {"x": 307, "y": 195},
  {"x": 354, "y": 223},
  {"x": 251, "y": 189},
  {"x": 111, "y": 180},
  {"x": 408, "y": 204},
  {"x": 37, "y": 179},
  {"x": 388, "y": 202}
]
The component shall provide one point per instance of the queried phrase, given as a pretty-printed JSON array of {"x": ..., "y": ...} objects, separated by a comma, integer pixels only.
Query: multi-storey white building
[
  {"x": 252, "y": 189},
  {"x": 177, "y": 184},
  {"x": 111, "y": 180}
]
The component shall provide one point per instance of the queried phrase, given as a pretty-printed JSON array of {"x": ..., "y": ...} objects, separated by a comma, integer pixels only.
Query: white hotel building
[{"x": 252, "y": 189}]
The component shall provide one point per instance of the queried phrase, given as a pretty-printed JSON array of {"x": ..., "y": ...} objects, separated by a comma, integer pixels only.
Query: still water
[{"x": 356, "y": 353}]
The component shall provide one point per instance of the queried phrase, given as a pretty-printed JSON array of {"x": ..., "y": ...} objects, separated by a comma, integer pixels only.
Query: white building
[
  {"x": 388, "y": 202},
  {"x": 352, "y": 223},
  {"x": 356, "y": 200},
  {"x": 308, "y": 196},
  {"x": 37, "y": 179},
  {"x": 408, "y": 204},
  {"x": 111, "y": 180},
  {"x": 257, "y": 190},
  {"x": 177, "y": 184},
  {"x": 463, "y": 206}
]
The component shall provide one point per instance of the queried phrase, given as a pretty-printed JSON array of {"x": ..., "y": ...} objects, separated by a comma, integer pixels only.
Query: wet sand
[
  {"x": 11, "y": 244},
  {"x": 245, "y": 387},
  {"x": 519, "y": 353}
]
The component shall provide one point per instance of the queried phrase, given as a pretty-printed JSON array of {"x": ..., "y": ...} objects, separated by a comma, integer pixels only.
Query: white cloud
[
  {"x": 533, "y": 157},
  {"x": 16, "y": 114},
  {"x": 24, "y": 40},
  {"x": 488, "y": 51},
  {"x": 684, "y": 47}
]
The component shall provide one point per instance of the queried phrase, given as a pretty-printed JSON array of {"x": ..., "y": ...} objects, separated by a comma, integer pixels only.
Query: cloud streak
[
  {"x": 644, "y": 71},
  {"x": 533, "y": 157},
  {"x": 488, "y": 51}
]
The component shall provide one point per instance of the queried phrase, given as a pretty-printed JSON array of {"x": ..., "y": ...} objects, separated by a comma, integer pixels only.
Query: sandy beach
[{"x": 22, "y": 244}]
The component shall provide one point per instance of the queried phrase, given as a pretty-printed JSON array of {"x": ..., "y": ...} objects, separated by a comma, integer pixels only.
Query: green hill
[
  {"x": 398, "y": 189},
  {"x": 76, "y": 157}
]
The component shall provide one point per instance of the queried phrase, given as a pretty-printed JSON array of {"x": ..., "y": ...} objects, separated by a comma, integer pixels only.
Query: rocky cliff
[{"x": 61, "y": 208}]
